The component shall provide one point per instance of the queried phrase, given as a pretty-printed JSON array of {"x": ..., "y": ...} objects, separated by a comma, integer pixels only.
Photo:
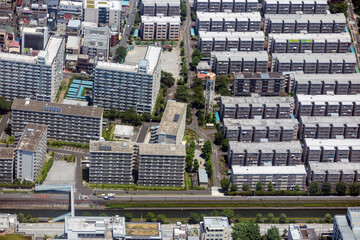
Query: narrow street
[{"x": 187, "y": 40}]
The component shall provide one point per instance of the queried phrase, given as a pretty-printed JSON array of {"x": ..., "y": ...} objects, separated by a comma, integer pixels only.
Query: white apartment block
[
  {"x": 282, "y": 177},
  {"x": 164, "y": 27},
  {"x": 103, "y": 12},
  {"x": 74, "y": 8},
  {"x": 124, "y": 86},
  {"x": 37, "y": 78},
  {"x": 31, "y": 152},
  {"x": 215, "y": 228}
]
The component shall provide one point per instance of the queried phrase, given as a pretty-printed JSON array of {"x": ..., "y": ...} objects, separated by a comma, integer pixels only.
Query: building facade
[
  {"x": 6, "y": 164},
  {"x": 212, "y": 227},
  {"x": 160, "y": 27},
  {"x": 346, "y": 226},
  {"x": 160, "y": 8},
  {"x": 293, "y": 6},
  {"x": 226, "y": 5}
]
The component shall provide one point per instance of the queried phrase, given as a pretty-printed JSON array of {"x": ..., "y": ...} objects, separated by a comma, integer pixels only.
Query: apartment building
[
  {"x": 310, "y": 63},
  {"x": 327, "y": 105},
  {"x": 282, "y": 177},
  {"x": 69, "y": 123},
  {"x": 230, "y": 41},
  {"x": 172, "y": 126},
  {"x": 96, "y": 43},
  {"x": 215, "y": 227},
  {"x": 160, "y": 8},
  {"x": 296, "y": 232},
  {"x": 264, "y": 84},
  {"x": 71, "y": 7},
  {"x": 124, "y": 86},
  {"x": 223, "y": 63},
  {"x": 333, "y": 172},
  {"x": 226, "y": 5},
  {"x": 310, "y": 23},
  {"x": 37, "y": 78},
  {"x": 111, "y": 162},
  {"x": 293, "y": 6},
  {"x": 346, "y": 226},
  {"x": 103, "y": 12},
  {"x": 309, "y": 42},
  {"x": 256, "y": 107},
  {"x": 161, "y": 165},
  {"x": 30, "y": 152},
  {"x": 322, "y": 84},
  {"x": 331, "y": 150},
  {"x": 160, "y": 27},
  {"x": 264, "y": 154},
  {"x": 227, "y": 21},
  {"x": 34, "y": 38},
  {"x": 329, "y": 127},
  {"x": 6, "y": 165},
  {"x": 260, "y": 130},
  {"x": 73, "y": 45}
]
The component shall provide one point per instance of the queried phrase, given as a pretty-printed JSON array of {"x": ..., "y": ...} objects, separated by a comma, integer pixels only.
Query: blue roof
[
  {"x": 136, "y": 33},
  {"x": 125, "y": 3}
]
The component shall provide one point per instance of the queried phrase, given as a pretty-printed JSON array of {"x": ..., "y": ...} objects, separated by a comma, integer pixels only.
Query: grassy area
[
  {"x": 108, "y": 134},
  {"x": 13, "y": 191},
  {"x": 133, "y": 187},
  {"x": 44, "y": 170},
  {"x": 188, "y": 182},
  {"x": 219, "y": 205},
  {"x": 15, "y": 237},
  {"x": 59, "y": 144},
  {"x": 190, "y": 135},
  {"x": 83, "y": 93}
]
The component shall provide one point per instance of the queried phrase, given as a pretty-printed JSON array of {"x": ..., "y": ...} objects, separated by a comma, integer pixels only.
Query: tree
[
  {"x": 225, "y": 145},
  {"x": 195, "y": 61},
  {"x": 354, "y": 189},
  {"x": 270, "y": 218},
  {"x": 225, "y": 184},
  {"x": 20, "y": 216},
  {"x": 245, "y": 188},
  {"x": 219, "y": 138},
  {"x": 222, "y": 85},
  {"x": 130, "y": 116},
  {"x": 328, "y": 218},
  {"x": 314, "y": 188},
  {"x": 297, "y": 188},
  {"x": 5, "y": 106},
  {"x": 282, "y": 218},
  {"x": 120, "y": 53},
  {"x": 160, "y": 218},
  {"x": 246, "y": 231},
  {"x": 207, "y": 148},
  {"x": 259, "y": 186},
  {"x": 326, "y": 188},
  {"x": 341, "y": 188},
  {"x": 214, "y": 213},
  {"x": 196, "y": 53},
  {"x": 183, "y": 10},
  {"x": 272, "y": 234},
  {"x": 233, "y": 188},
  {"x": 258, "y": 218},
  {"x": 167, "y": 79},
  {"x": 182, "y": 94},
  {"x": 270, "y": 187},
  {"x": 128, "y": 217},
  {"x": 229, "y": 213},
  {"x": 338, "y": 7},
  {"x": 150, "y": 217},
  {"x": 189, "y": 163},
  {"x": 196, "y": 165},
  {"x": 194, "y": 218}
]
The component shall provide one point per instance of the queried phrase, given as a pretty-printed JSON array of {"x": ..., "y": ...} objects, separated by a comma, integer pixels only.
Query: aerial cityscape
[{"x": 180, "y": 119}]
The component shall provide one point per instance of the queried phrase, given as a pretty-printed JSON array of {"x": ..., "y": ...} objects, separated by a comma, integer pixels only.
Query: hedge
[
  {"x": 134, "y": 187},
  {"x": 70, "y": 144}
]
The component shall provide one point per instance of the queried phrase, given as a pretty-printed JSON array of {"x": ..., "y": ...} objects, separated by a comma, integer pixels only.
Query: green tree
[
  {"x": 225, "y": 184},
  {"x": 314, "y": 188},
  {"x": 219, "y": 138},
  {"x": 182, "y": 51},
  {"x": 326, "y": 188},
  {"x": 196, "y": 53},
  {"x": 160, "y": 218},
  {"x": 270, "y": 187},
  {"x": 270, "y": 218},
  {"x": 259, "y": 186},
  {"x": 245, "y": 188},
  {"x": 130, "y": 116},
  {"x": 128, "y": 217},
  {"x": 328, "y": 218},
  {"x": 120, "y": 53},
  {"x": 103, "y": 214},
  {"x": 207, "y": 148},
  {"x": 229, "y": 213},
  {"x": 225, "y": 145},
  {"x": 246, "y": 231},
  {"x": 196, "y": 165},
  {"x": 222, "y": 85},
  {"x": 282, "y": 218},
  {"x": 258, "y": 218},
  {"x": 339, "y": 7},
  {"x": 354, "y": 189},
  {"x": 5, "y": 106},
  {"x": 272, "y": 234},
  {"x": 150, "y": 217},
  {"x": 167, "y": 79},
  {"x": 189, "y": 163},
  {"x": 297, "y": 188},
  {"x": 195, "y": 61},
  {"x": 182, "y": 94},
  {"x": 183, "y": 10},
  {"x": 341, "y": 188},
  {"x": 233, "y": 188},
  {"x": 194, "y": 218},
  {"x": 20, "y": 216},
  {"x": 214, "y": 213}
]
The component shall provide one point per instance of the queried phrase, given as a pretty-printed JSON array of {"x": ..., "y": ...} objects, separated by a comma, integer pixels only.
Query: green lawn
[
  {"x": 15, "y": 237},
  {"x": 190, "y": 135}
]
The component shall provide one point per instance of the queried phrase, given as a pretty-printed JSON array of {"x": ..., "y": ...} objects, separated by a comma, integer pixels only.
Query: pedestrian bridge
[{"x": 69, "y": 188}]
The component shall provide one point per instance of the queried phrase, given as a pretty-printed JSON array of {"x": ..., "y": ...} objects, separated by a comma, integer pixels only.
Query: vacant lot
[{"x": 61, "y": 172}]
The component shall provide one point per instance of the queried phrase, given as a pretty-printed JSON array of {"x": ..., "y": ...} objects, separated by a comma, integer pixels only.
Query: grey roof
[
  {"x": 171, "y": 119},
  {"x": 342, "y": 37},
  {"x": 314, "y": 57},
  {"x": 215, "y": 222},
  {"x": 239, "y": 147},
  {"x": 301, "y": 77},
  {"x": 162, "y": 149},
  {"x": 31, "y": 137},
  {"x": 328, "y": 98},
  {"x": 256, "y": 100},
  {"x": 252, "y": 16},
  {"x": 65, "y": 109},
  {"x": 203, "y": 177},
  {"x": 111, "y": 146},
  {"x": 334, "y": 120},
  {"x": 331, "y": 142},
  {"x": 322, "y": 167},
  {"x": 231, "y": 123},
  {"x": 7, "y": 153},
  {"x": 239, "y": 56},
  {"x": 337, "y": 17},
  {"x": 270, "y": 75}
]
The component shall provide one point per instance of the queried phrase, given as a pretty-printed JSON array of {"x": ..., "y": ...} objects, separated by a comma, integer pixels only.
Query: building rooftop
[
  {"x": 253, "y": 16},
  {"x": 314, "y": 57},
  {"x": 123, "y": 130},
  {"x": 301, "y": 77},
  {"x": 235, "y": 35},
  {"x": 277, "y": 123},
  {"x": 112, "y": 4},
  {"x": 74, "y": 23},
  {"x": 160, "y": 19},
  {"x": 57, "y": 108},
  {"x": 337, "y": 17},
  {"x": 31, "y": 137},
  {"x": 97, "y": 37},
  {"x": 162, "y": 149},
  {"x": 143, "y": 230},
  {"x": 111, "y": 146},
  {"x": 216, "y": 222},
  {"x": 331, "y": 142},
  {"x": 73, "y": 42},
  {"x": 343, "y": 37},
  {"x": 328, "y": 98},
  {"x": 270, "y": 75},
  {"x": 322, "y": 167},
  {"x": 7, "y": 153},
  {"x": 239, "y": 56},
  {"x": 203, "y": 177},
  {"x": 337, "y": 120},
  {"x": 237, "y": 147},
  {"x": 171, "y": 119},
  {"x": 268, "y": 170}
]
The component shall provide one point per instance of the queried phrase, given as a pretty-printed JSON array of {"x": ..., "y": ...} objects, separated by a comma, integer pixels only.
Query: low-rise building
[
  {"x": 160, "y": 27},
  {"x": 346, "y": 227},
  {"x": 160, "y": 8},
  {"x": 73, "y": 45},
  {"x": 96, "y": 43},
  {"x": 8, "y": 223},
  {"x": 6, "y": 165},
  {"x": 282, "y": 177},
  {"x": 203, "y": 178},
  {"x": 296, "y": 232},
  {"x": 212, "y": 227},
  {"x": 123, "y": 132},
  {"x": 31, "y": 152}
]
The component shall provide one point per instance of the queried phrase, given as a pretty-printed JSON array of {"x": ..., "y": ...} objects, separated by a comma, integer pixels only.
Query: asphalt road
[
  {"x": 353, "y": 28},
  {"x": 129, "y": 23}
]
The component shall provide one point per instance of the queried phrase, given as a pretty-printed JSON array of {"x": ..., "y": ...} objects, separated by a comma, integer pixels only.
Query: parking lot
[
  {"x": 61, "y": 172},
  {"x": 74, "y": 149}
]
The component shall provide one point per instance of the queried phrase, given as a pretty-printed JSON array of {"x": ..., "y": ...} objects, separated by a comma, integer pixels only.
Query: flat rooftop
[
  {"x": 239, "y": 147},
  {"x": 173, "y": 115},
  {"x": 52, "y": 48},
  {"x": 160, "y": 19},
  {"x": 333, "y": 166},
  {"x": 338, "y": 120},
  {"x": 269, "y": 75},
  {"x": 215, "y": 222},
  {"x": 6, "y": 153},
  {"x": 234, "y": 124},
  {"x": 236, "y": 55},
  {"x": 57, "y": 108},
  {"x": 314, "y": 57},
  {"x": 162, "y": 149},
  {"x": 111, "y": 146},
  {"x": 342, "y": 37},
  {"x": 311, "y": 142},
  {"x": 256, "y": 100},
  {"x": 31, "y": 137},
  {"x": 216, "y": 35},
  {"x": 253, "y": 16},
  {"x": 302, "y": 98},
  {"x": 123, "y": 130},
  {"x": 143, "y": 229},
  {"x": 301, "y": 77},
  {"x": 269, "y": 170},
  {"x": 73, "y": 42}
]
